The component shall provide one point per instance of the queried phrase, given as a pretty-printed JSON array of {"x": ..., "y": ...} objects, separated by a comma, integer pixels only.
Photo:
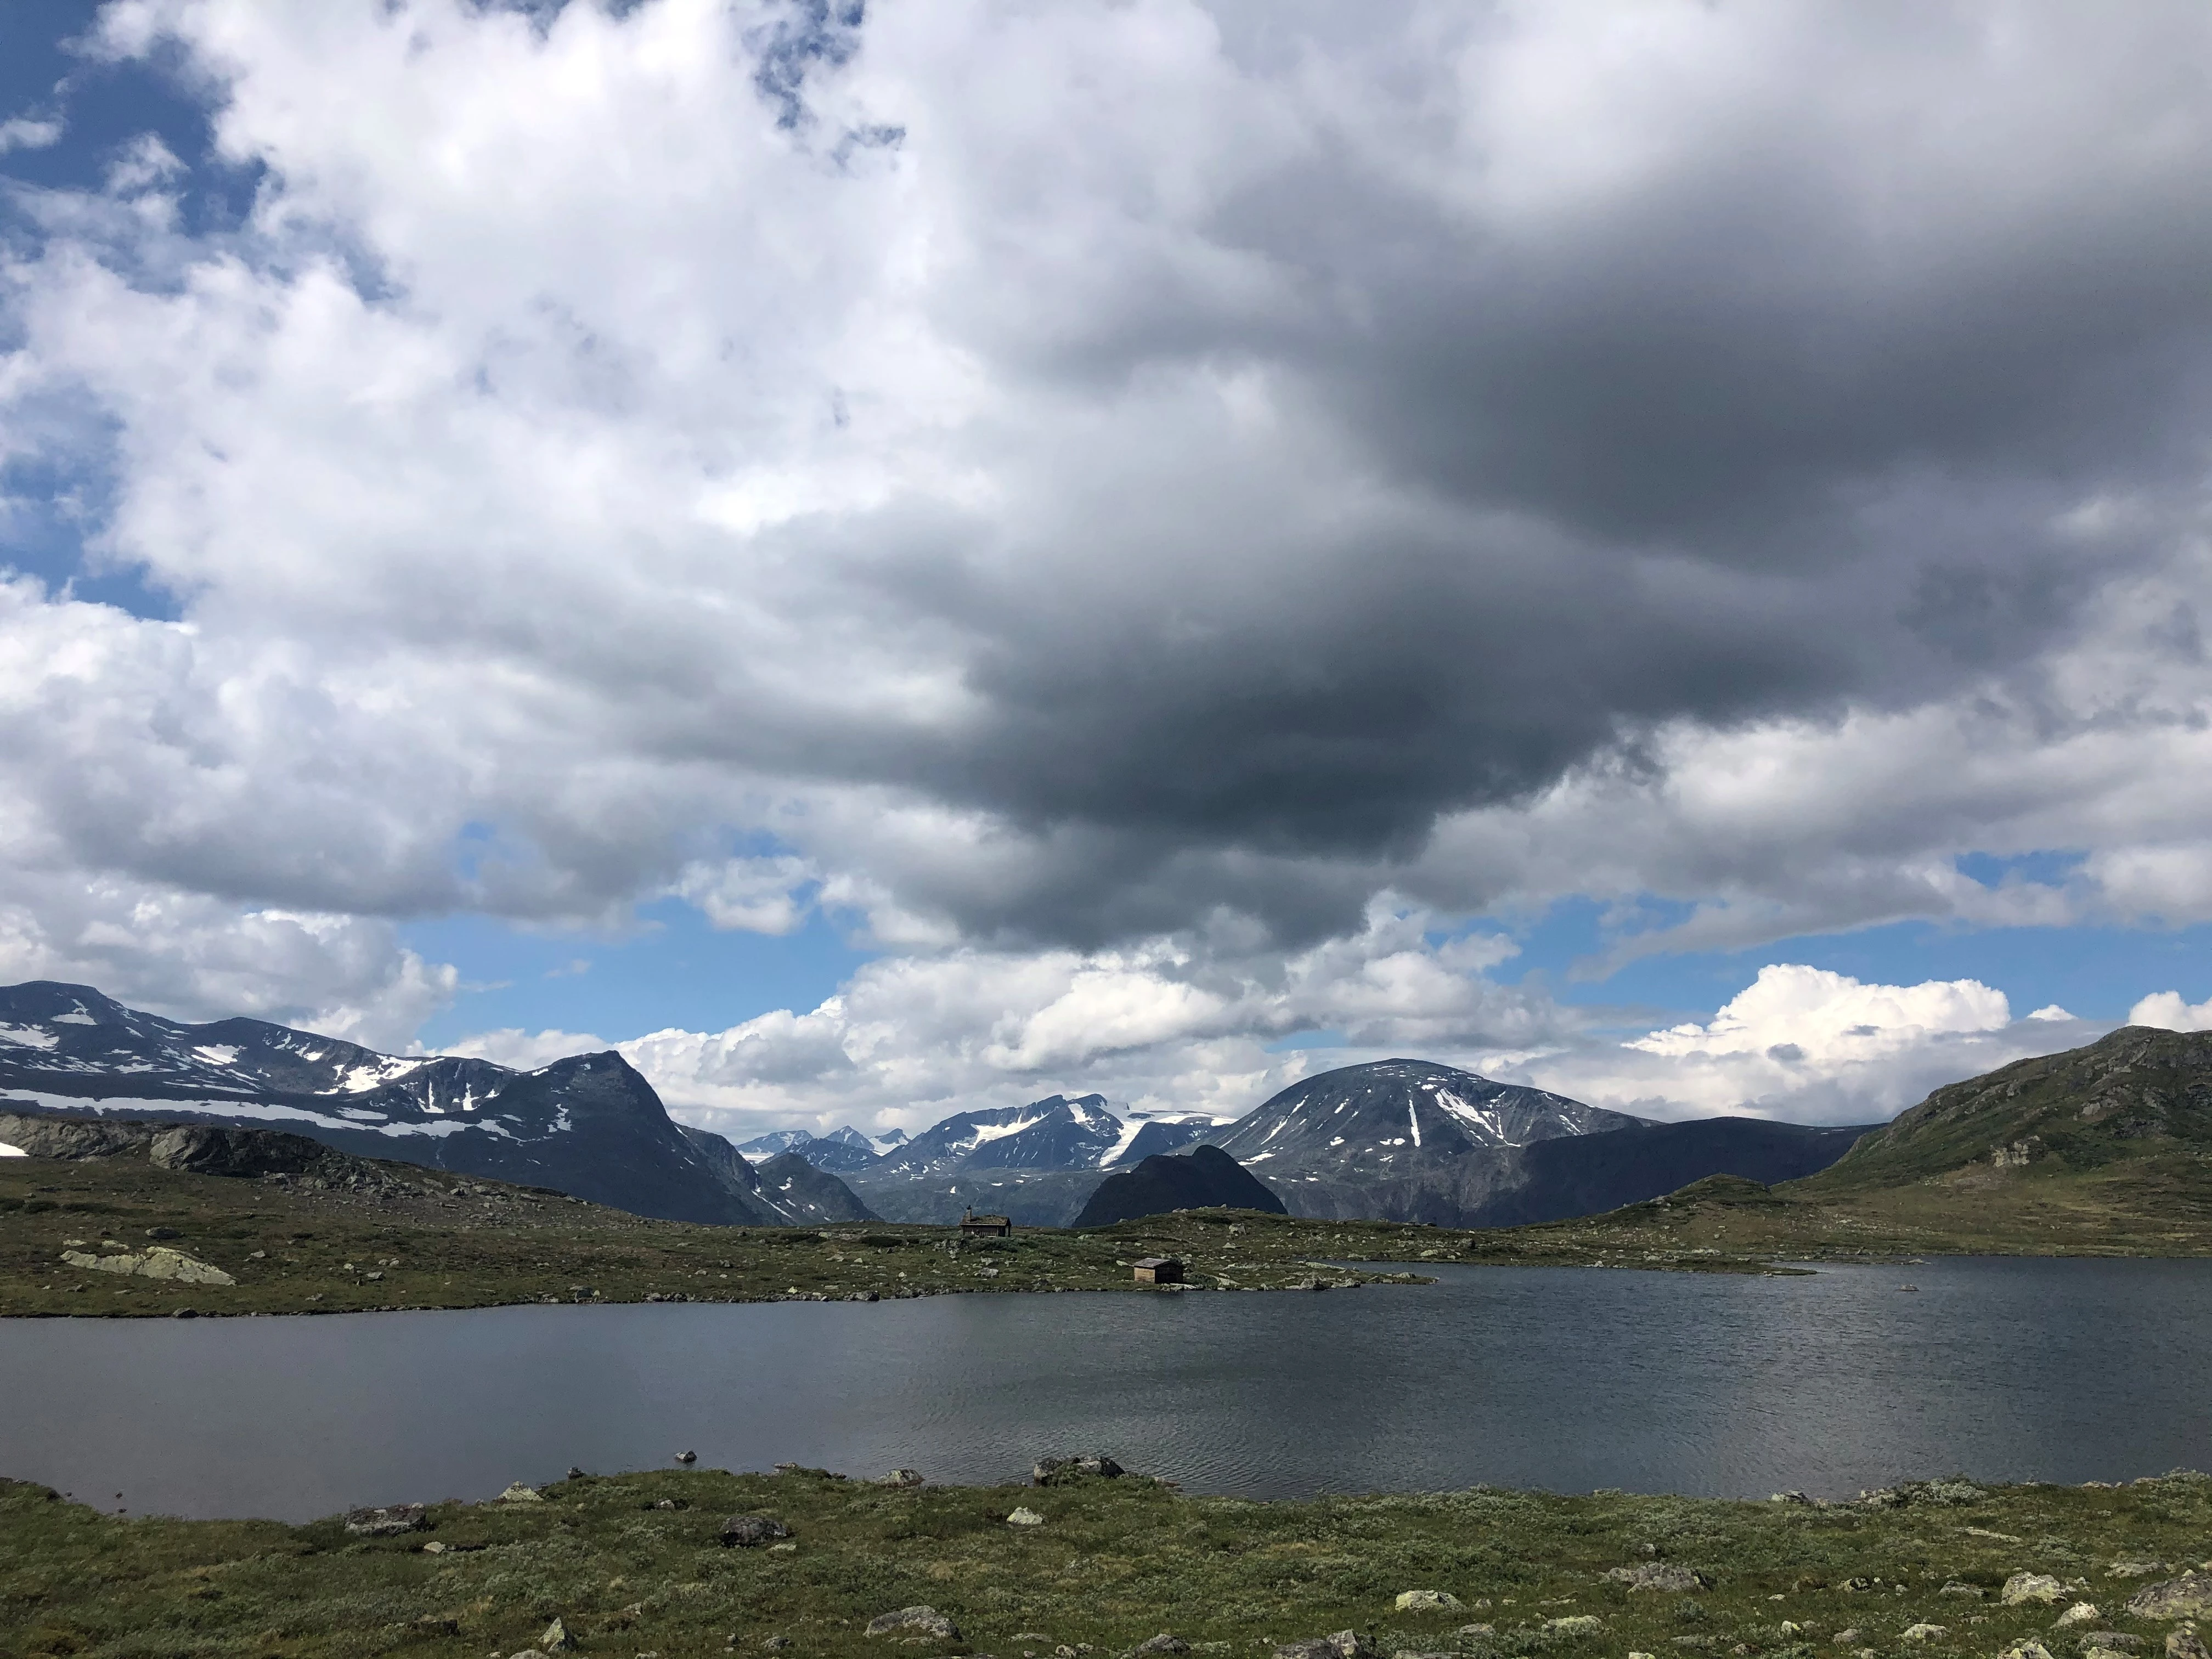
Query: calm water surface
[{"x": 1558, "y": 1378}]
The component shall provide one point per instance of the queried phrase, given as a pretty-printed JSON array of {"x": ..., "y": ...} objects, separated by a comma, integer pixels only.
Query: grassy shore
[
  {"x": 427, "y": 1241},
  {"x": 634, "y": 1564}
]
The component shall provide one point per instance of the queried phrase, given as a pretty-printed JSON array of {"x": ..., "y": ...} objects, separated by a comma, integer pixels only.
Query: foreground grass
[
  {"x": 633, "y": 1564},
  {"x": 427, "y": 1241}
]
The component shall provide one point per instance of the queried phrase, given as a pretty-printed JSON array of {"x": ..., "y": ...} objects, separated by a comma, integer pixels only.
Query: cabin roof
[{"x": 1158, "y": 1261}]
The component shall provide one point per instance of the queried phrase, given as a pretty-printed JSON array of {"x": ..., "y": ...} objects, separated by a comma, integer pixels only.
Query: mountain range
[
  {"x": 588, "y": 1125},
  {"x": 1394, "y": 1139}
]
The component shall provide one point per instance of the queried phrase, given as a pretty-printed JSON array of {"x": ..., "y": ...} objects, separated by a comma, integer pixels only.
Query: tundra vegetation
[{"x": 650, "y": 1563}]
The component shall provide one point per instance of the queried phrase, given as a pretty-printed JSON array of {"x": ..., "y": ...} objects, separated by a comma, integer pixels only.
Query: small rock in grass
[
  {"x": 388, "y": 1523},
  {"x": 518, "y": 1493},
  {"x": 1025, "y": 1517},
  {"x": 1427, "y": 1601},
  {"x": 928, "y": 1621},
  {"x": 555, "y": 1639},
  {"x": 433, "y": 1548},
  {"x": 1163, "y": 1642},
  {"x": 2028, "y": 1648},
  {"x": 902, "y": 1478},
  {"x": 431, "y": 1624},
  {"x": 1844, "y": 1639},
  {"x": 575, "y": 1474},
  {"x": 1575, "y": 1624},
  {"x": 747, "y": 1531},
  {"x": 1476, "y": 1630},
  {"x": 2110, "y": 1642},
  {"x": 2133, "y": 1569},
  {"x": 783, "y": 1549},
  {"x": 2081, "y": 1613},
  {"x": 2185, "y": 1644},
  {"x": 1955, "y": 1587},
  {"x": 1658, "y": 1575},
  {"x": 2023, "y": 1588},
  {"x": 1343, "y": 1645},
  {"x": 775, "y": 1643},
  {"x": 1923, "y": 1633}
]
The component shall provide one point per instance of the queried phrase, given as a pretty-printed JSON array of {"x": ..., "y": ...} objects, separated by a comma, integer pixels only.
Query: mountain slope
[
  {"x": 1404, "y": 1139},
  {"x": 1205, "y": 1177},
  {"x": 588, "y": 1125},
  {"x": 806, "y": 1195},
  {"x": 841, "y": 1150},
  {"x": 2105, "y": 1149}
]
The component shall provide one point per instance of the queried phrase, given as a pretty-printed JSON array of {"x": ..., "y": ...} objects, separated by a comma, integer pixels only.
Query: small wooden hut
[
  {"x": 1159, "y": 1270},
  {"x": 985, "y": 1227}
]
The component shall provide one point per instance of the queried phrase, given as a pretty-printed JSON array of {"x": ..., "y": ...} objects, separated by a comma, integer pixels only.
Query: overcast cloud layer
[{"x": 1153, "y": 516}]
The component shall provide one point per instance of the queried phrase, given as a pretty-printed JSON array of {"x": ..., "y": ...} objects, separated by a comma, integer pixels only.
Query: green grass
[
  {"x": 430, "y": 1242},
  {"x": 632, "y": 1565}
]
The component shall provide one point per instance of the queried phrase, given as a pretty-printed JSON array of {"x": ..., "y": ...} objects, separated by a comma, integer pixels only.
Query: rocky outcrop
[
  {"x": 1066, "y": 1471},
  {"x": 921, "y": 1621},
  {"x": 158, "y": 1262},
  {"x": 750, "y": 1531},
  {"x": 1659, "y": 1576},
  {"x": 389, "y": 1521}
]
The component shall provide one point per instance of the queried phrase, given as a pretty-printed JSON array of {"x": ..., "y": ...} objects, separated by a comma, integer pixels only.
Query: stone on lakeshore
[
  {"x": 1061, "y": 1471},
  {"x": 902, "y": 1478},
  {"x": 747, "y": 1531},
  {"x": 575, "y": 1474},
  {"x": 2023, "y": 1588},
  {"x": 159, "y": 1262},
  {"x": 1025, "y": 1517},
  {"x": 2177, "y": 1598},
  {"x": 1427, "y": 1601},
  {"x": 1658, "y": 1575},
  {"x": 2081, "y": 1613},
  {"x": 924, "y": 1621},
  {"x": 389, "y": 1522},
  {"x": 433, "y": 1548},
  {"x": 1343, "y": 1645},
  {"x": 1923, "y": 1633},
  {"x": 518, "y": 1493},
  {"x": 2184, "y": 1645},
  {"x": 1163, "y": 1642},
  {"x": 687, "y": 1457},
  {"x": 1575, "y": 1624}
]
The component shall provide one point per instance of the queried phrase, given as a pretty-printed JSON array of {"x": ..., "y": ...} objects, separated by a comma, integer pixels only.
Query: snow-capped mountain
[
  {"x": 1037, "y": 1163},
  {"x": 841, "y": 1150},
  {"x": 1360, "y": 1140},
  {"x": 588, "y": 1125}
]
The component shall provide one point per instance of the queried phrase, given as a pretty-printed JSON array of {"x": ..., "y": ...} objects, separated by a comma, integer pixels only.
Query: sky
[{"x": 889, "y": 559}]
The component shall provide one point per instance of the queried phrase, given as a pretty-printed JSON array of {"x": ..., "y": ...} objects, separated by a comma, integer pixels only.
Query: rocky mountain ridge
[{"x": 588, "y": 1124}]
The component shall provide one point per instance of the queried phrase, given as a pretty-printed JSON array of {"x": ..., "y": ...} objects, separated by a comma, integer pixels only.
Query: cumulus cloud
[
  {"x": 2169, "y": 1012},
  {"x": 1099, "y": 499}
]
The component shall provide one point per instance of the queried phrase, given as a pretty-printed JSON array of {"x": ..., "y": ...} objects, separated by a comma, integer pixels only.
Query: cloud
[
  {"x": 28, "y": 132},
  {"x": 1810, "y": 1046},
  {"x": 1098, "y": 500},
  {"x": 2169, "y": 1012}
]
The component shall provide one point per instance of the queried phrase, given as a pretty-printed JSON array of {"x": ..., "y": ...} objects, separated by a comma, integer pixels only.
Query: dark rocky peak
[{"x": 1205, "y": 1177}]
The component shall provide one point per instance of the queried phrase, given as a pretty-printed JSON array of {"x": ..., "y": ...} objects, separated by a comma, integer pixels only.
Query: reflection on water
[{"x": 1559, "y": 1378}]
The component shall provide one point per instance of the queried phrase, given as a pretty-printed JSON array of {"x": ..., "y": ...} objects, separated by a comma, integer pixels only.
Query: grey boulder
[
  {"x": 748, "y": 1531},
  {"x": 926, "y": 1621},
  {"x": 388, "y": 1523}
]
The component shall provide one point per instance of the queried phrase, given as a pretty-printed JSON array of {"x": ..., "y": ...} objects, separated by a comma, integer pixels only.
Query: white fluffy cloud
[
  {"x": 1145, "y": 513},
  {"x": 2168, "y": 1011}
]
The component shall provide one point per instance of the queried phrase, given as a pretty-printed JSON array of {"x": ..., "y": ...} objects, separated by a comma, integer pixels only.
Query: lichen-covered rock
[
  {"x": 2081, "y": 1613},
  {"x": 1025, "y": 1517},
  {"x": 388, "y": 1523},
  {"x": 2176, "y": 1598},
  {"x": 921, "y": 1620},
  {"x": 2024, "y": 1588},
  {"x": 158, "y": 1262},
  {"x": 1343, "y": 1645},
  {"x": 1923, "y": 1633},
  {"x": 518, "y": 1493},
  {"x": 1427, "y": 1601},
  {"x": 1659, "y": 1576},
  {"x": 2184, "y": 1645},
  {"x": 1163, "y": 1642},
  {"x": 1574, "y": 1624},
  {"x": 748, "y": 1531},
  {"x": 2028, "y": 1648},
  {"x": 902, "y": 1478}
]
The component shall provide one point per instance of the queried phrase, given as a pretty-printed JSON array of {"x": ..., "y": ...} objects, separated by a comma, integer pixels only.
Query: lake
[{"x": 1565, "y": 1379}]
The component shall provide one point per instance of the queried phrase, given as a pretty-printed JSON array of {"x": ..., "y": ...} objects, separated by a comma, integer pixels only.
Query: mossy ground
[{"x": 632, "y": 1565}]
